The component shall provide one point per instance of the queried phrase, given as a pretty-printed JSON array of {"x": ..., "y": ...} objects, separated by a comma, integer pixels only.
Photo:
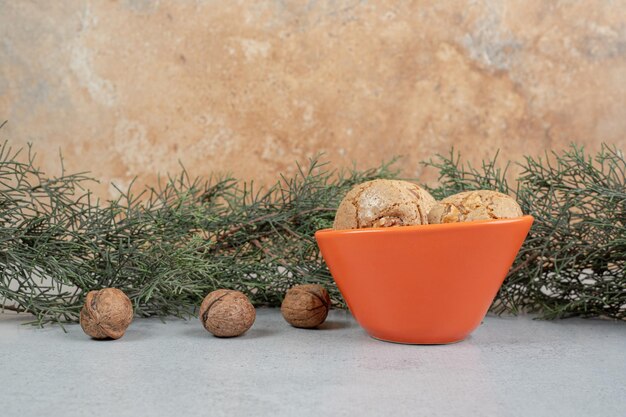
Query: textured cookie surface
[
  {"x": 384, "y": 203},
  {"x": 474, "y": 205}
]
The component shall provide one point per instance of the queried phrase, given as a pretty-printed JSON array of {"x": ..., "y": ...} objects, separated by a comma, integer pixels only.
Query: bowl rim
[{"x": 424, "y": 227}]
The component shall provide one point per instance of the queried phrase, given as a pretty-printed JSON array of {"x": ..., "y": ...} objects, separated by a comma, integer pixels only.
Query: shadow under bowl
[{"x": 426, "y": 284}]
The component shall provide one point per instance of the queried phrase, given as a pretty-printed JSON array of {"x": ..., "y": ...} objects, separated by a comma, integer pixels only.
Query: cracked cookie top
[{"x": 384, "y": 203}]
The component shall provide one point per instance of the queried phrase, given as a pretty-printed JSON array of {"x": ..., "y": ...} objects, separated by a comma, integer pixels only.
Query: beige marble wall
[{"x": 129, "y": 88}]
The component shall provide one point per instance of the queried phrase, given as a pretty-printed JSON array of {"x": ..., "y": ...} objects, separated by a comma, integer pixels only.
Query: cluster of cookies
[{"x": 386, "y": 203}]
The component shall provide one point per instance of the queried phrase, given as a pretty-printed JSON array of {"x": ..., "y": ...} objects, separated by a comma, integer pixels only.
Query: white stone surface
[{"x": 508, "y": 367}]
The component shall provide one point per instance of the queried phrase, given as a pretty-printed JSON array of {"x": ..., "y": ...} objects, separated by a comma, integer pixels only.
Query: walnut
[
  {"x": 306, "y": 306},
  {"x": 106, "y": 314},
  {"x": 227, "y": 313},
  {"x": 474, "y": 205},
  {"x": 384, "y": 203}
]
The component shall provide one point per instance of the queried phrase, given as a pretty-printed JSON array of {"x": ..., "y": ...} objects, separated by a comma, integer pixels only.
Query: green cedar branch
[{"x": 169, "y": 245}]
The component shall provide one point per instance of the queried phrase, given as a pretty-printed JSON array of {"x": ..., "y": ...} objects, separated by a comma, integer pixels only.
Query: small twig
[
  {"x": 260, "y": 219},
  {"x": 523, "y": 265},
  {"x": 13, "y": 308},
  {"x": 282, "y": 262}
]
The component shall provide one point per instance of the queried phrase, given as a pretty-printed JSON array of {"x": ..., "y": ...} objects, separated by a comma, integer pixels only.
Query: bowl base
[{"x": 417, "y": 342}]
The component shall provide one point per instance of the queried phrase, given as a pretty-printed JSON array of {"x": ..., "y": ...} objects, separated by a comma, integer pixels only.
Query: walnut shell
[
  {"x": 106, "y": 314},
  {"x": 227, "y": 313},
  {"x": 306, "y": 306},
  {"x": 383, "y": 203},
  {"x": 474, "y": 205}
]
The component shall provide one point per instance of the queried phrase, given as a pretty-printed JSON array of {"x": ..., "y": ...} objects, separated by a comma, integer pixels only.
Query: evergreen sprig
[
  {"x": 170, "y": 245},
  {"x": 166, "y": 247},
  {"x": 573, "y": 262}
]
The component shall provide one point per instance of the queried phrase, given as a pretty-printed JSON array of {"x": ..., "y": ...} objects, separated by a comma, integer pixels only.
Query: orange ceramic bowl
[{"x": 425, "y": 284}]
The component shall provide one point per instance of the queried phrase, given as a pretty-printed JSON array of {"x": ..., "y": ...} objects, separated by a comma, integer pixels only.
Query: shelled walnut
[
  {"x": 107, "y": 313},
  {"x": 227, "y": 313},
  {"x": 306, "y": 306}
]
